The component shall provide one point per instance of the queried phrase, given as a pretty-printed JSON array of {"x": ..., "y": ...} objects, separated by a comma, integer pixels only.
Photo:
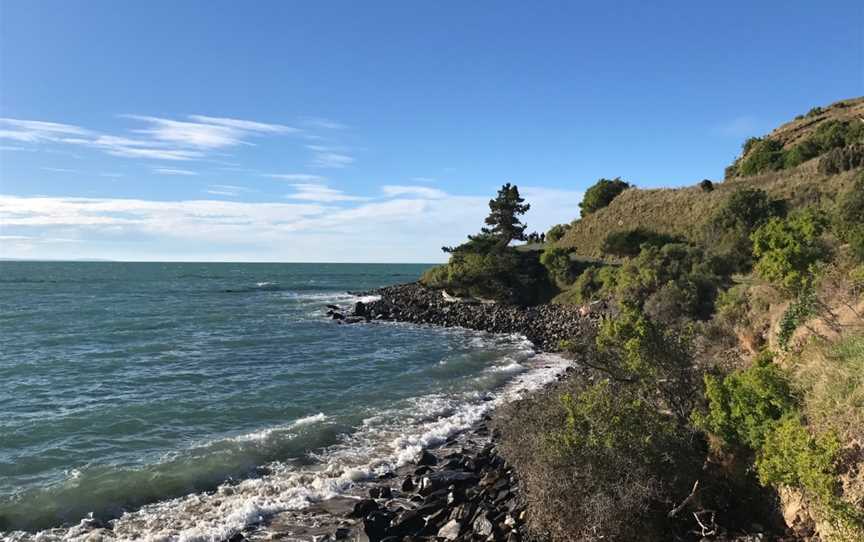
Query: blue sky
[{"x": 376, "y": 131}]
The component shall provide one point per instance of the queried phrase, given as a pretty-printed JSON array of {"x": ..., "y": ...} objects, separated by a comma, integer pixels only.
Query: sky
[{"x": 377, "y": 131}]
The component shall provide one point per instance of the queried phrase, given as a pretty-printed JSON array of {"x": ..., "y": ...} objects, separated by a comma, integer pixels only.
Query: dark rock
[
  {"x": 386, "y": 492},
  {"x": 376, "y": 524},
  {"x": 363, "y": 508},
  {"x": 425, "y": 458},
  {"x": 374, "y": 492}
]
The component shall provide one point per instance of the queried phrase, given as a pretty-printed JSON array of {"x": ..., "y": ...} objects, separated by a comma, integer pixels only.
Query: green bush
[
  {"x": 436, "y": 277},
  {"x": 695, "y": 281},
  {"x": 800, "y": 153},
  {"x": 559, "y": 265},
  {"x": 598, "y": 461},
  {"x": 796, "y": 314},
  {"x": 746, "y": 405},
  {"x": 503, "y": 275},
  {"x": 815, "y": 111},
  {"x": 601, "y": 194},
  {"x": 789, "y": 249},
  {"x": 727, "y": 232},
  {"x": 761, "y": 155},
  {"x": 706, "y": 185},
  {"x": 791, "y": 456},
  {"x": 556, "y": 232},
  {"x": 650, "y": 356},
  {"x": 630, "y": 242},
  {"x": 593, "y": 283},
  {"x": 848, "y": 218},
  {"x": 733, "y": 306}
]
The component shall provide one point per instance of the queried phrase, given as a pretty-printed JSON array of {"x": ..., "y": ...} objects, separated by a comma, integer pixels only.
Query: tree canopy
[{"x": 504, "y": 211}]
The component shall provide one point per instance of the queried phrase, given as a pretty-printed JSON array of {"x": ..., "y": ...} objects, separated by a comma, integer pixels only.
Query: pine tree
[{"x": 503, "y": 219}]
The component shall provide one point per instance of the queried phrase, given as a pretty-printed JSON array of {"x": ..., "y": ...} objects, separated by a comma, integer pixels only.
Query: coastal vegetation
[
  {"x": 718, "y": 334},
  {"x": 724, "y": 387}
]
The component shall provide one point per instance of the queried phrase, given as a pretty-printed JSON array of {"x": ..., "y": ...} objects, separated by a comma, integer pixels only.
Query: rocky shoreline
[
  {"x": 462, "y": 491},
  {"x": 544, "y": 325}
]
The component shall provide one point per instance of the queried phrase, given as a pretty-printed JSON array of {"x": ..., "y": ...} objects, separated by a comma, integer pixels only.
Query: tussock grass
[{"x": 832, "y": 378}]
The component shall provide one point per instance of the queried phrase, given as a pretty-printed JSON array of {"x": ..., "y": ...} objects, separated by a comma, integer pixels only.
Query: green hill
[{"x": 680, "y": 211}]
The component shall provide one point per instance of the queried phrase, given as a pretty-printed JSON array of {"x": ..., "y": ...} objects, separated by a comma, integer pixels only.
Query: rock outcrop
[{"x": 544, "y": 325}]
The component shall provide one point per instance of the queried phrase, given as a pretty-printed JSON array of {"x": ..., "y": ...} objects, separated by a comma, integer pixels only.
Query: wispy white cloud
[
  {"x": 297, "y": 177},
  {"x": 158, "y": 154},
  {"x": 60, "y": 170},
  {"x": 327, "y": 124},
  {"x": 424, "y": 179},
  {"x": 160, "y": 139},
  {"x": 171, "y": 171},
  {"x": 394, "y": 190},
  {"x": 189, "y": 134},
  {"x": 300, "y": 230},
  {"x": 321, "y": 193},
  {"x": 245, "y": 125},
  {"x": 326, "y": 159},
  {"x": 34, "y": 131},
  {"x": 225, "y": 190}
]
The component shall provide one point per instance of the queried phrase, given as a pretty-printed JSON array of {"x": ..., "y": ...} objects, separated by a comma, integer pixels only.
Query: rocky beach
[{"x": 462, "y": 490}]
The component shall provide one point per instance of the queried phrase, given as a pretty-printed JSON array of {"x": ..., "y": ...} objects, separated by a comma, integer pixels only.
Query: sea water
[{"x": 186, "y": 401}]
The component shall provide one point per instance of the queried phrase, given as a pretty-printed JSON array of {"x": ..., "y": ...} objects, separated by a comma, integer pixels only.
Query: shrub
[
  {"x": 593, "y": 283},
  {"x": 503, "y": 275},
  {"x": 597, "y": 462},
  {"x": 800, "y": 153},
  {"x": 673, "y": 302},
  {"x": 677, "y": 263},
  {"x": 630, "y": 242},
  {"x": 706, "y": 185},
  {"x": 792, "y": 456},
  {"x": 815, "y": 111},
  {"x": 654, "y": 358},
  {"x": 761, "y": 155},
  {"x": 733, "y": 306},
  {"x": 745, "y": 405},
  {"x": 848, "y": 218},
  {"x": 601, "y": 194},
  {"x": 727, "y": 232},
  {"x": 556, "y": 232},
  {"x": 789, "y": 249},
  {"x": 796, "y": 314},
  {"x": 558, "y": 264},
  {"x": 436, "y": 277}
]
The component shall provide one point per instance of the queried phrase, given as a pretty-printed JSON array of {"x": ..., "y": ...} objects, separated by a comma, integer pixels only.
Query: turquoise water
[{"x": 132, "y": 384}]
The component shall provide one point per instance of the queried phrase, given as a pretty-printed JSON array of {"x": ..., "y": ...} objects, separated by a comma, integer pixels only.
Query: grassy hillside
[{"x": 680, "y": 211}]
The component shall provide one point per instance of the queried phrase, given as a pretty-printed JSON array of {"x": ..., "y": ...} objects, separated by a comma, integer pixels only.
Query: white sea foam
[
  {"x": 379, "y": 445},
  {"x": 266, "y": 433}
]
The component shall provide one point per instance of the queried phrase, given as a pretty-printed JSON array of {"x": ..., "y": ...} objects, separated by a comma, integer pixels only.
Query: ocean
[{"x": 187, "y": 401}]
